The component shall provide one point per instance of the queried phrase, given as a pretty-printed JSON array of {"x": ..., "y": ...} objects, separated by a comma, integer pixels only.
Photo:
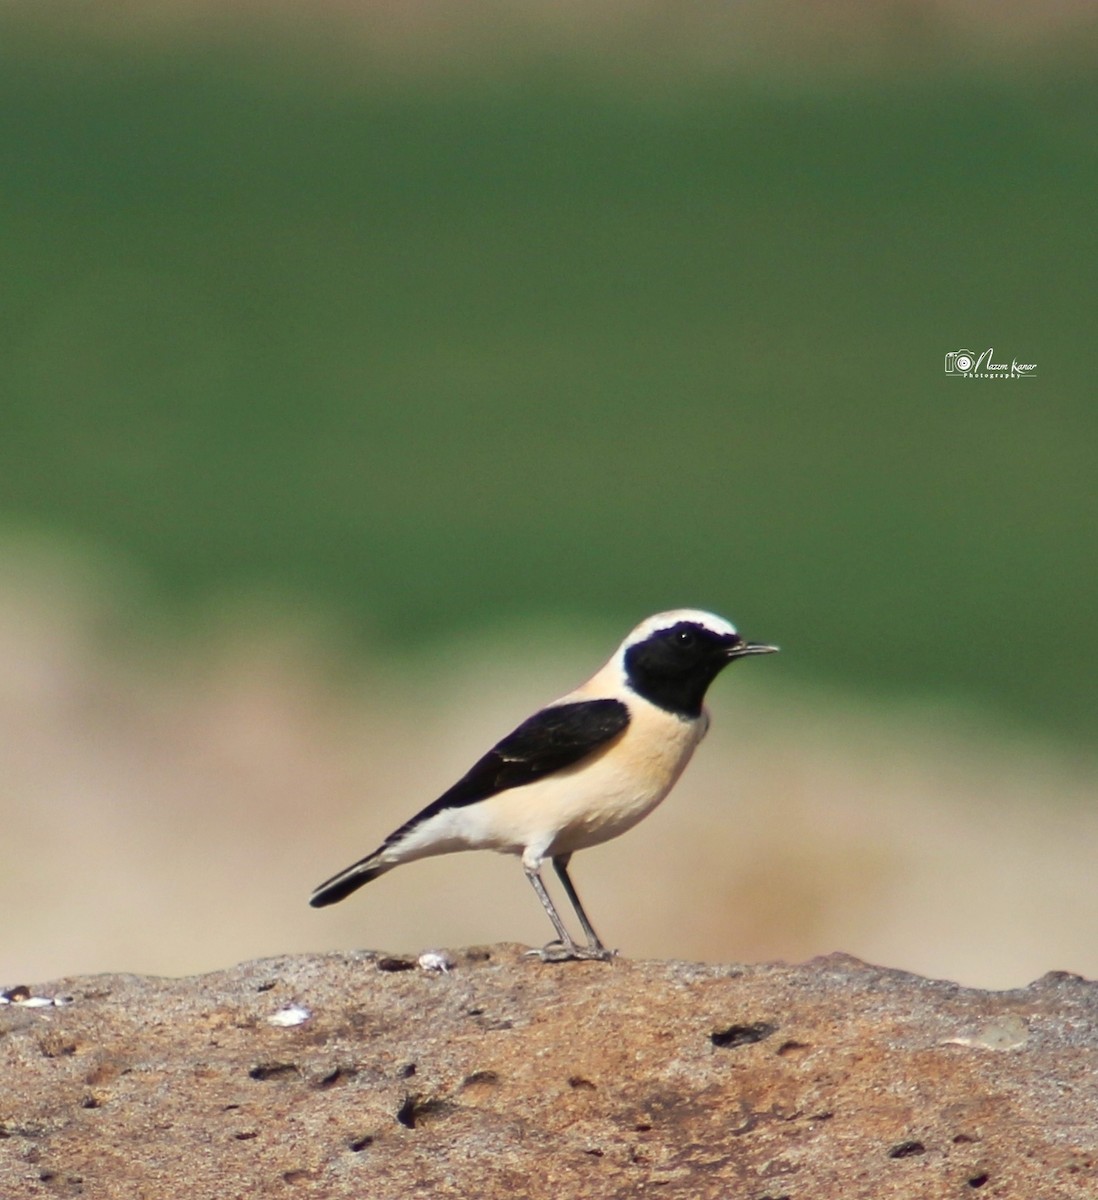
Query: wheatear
[{"x": 579, "y": 772}]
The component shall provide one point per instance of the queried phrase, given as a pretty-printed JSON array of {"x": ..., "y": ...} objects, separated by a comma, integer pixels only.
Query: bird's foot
[{"x": 569, "y": 952}]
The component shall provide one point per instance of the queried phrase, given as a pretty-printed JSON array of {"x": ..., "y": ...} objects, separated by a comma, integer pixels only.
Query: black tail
[{"x": 331, "y": 891}]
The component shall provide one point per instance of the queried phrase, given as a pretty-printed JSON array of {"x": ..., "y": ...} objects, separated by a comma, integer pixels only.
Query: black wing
[{"x": 555, "y": 738}]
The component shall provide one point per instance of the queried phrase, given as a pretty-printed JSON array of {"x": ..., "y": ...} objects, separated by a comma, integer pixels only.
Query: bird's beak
[{"x": 745, "y": 648}]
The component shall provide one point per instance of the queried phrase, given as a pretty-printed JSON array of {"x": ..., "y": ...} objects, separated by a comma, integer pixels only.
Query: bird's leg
[
  {"x": 594, "y": 947},
  {"x": 568, "y": 948}
]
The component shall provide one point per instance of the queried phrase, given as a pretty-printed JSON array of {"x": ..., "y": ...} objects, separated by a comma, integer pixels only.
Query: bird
[{"x": 579, "y": 772}]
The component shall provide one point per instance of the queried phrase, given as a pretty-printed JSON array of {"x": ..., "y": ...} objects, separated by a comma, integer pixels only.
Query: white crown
[{"x": 665, "y": 620}]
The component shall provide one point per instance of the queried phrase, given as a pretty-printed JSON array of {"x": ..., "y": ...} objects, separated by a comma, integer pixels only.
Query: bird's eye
[{"x": 686, "y": 637}]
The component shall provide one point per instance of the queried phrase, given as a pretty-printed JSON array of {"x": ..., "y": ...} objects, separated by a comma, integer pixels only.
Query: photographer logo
[{"x": 970, "y": 365}]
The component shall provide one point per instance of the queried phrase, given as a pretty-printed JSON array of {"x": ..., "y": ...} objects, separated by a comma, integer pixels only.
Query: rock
[{"x": 374, "y": 1075}]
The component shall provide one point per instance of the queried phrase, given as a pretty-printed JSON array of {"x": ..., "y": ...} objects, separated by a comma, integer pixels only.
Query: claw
[
  {"x": 541, "y": 952},
  {"x": 556, "y": 952}
]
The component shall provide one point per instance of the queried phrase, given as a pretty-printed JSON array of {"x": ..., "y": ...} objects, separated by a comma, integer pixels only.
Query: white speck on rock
[
  {"x": 1007, "y": 1032},
  {"x": 285, "y": 1018},
  {"x": 436, "y": 960}
]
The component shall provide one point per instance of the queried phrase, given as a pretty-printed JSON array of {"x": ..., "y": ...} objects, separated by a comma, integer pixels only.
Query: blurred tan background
[
  {"x": 171, "y": 816},
  {"x": 369, "y": 375}
]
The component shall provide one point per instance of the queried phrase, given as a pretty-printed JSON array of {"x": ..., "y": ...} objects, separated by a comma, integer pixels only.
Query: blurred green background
[
  {"x": 429, "y": 325},
  {"x": 435, "y": 351}
]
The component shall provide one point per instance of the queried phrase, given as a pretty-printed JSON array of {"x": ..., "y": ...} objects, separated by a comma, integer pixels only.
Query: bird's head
[{"x": 672, "y": 658}]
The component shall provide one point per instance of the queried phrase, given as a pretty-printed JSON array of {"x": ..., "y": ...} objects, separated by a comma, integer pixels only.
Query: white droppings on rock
[
  {"x": 286, "y": 1018},
  {"x": 437, "y": 961}
]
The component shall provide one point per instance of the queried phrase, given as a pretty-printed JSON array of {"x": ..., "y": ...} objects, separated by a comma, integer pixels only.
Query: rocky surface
[{"x": 492, "y": 1074}]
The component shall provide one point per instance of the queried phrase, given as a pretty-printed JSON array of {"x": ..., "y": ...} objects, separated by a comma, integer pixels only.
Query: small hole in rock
[
  {"x": 265, "y": 1071},
  {"x": 742, "y": 1035},
  {"x": 335, "y": 1075},
  {"x": 396, "y": 964},
  {"x": 577, "y": 1081},
  {"x": 977, "y": 1181},
  {"x": 246, "y": 1136},
  {"x": 907, "y": 1150},
  {"x": 266, "y": 987},
  {"x": 361, "y": 1143},
  {"x": 414, "y": 1110},
  {"x": 962, "y": 1139},
  {"x": 479, "y": 1078},
  {"x": 792, "y": 1048},
  {"x": 642, "y": 1127},
  {"x": 90, "y": 1102},
  {"x": 407, "y": 1071}
]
